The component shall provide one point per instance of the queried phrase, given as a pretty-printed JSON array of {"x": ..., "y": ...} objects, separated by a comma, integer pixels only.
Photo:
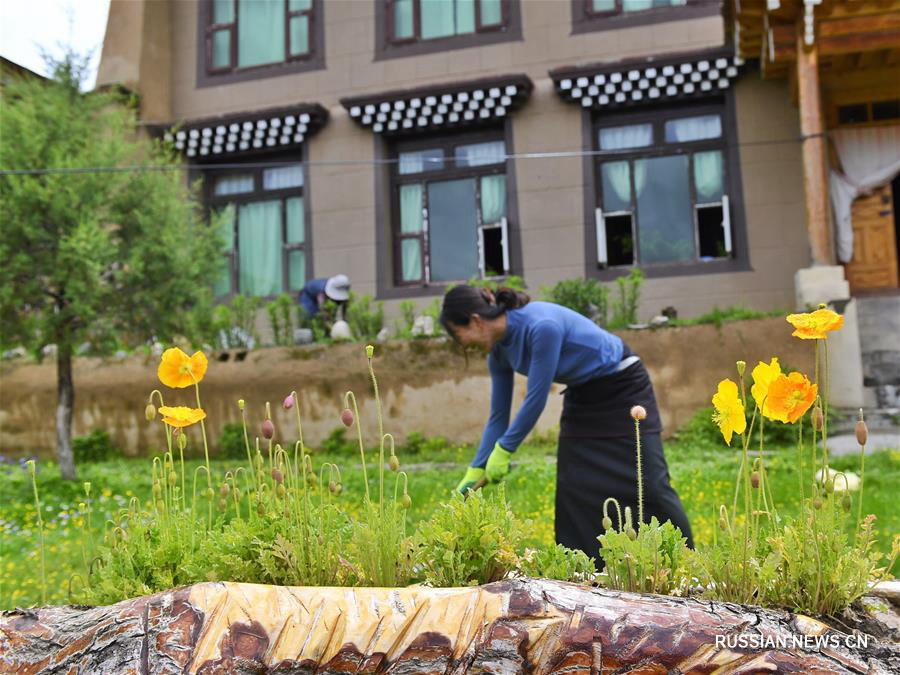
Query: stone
[
  {"x": 383, "y": 335},
  {"x": 303, "y": 336},
  {"x": 341, "y": 331},
  {"x": 49, "y": 350},
  {"x": 423, "y": 325},
  {"x": 844, "y": 481},
  {"x": 17, "y": 353},
  {"x": 658, "y": 321}
]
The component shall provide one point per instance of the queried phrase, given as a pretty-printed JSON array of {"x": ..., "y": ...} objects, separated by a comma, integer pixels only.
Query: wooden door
[{"x": 874, "y": 263}]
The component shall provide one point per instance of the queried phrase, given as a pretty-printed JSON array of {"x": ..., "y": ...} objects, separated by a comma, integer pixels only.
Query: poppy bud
[
  {"x": 236, "y": 492},
  {"x": 260, "y": 509},
  {"x": 222, "y": 504},
  {"x": 394, "y": 463},
  {"x": 741, "y": 367},
  {"x": 631, "y": 533},
  {"x": 338, "y": 488},
  {"x": 607, "y": 523},
  {"x": 370, "y": 351},
  {"x": 818, "y": 419},
  {"x": 268, "y": 429},
  {"x": 172, "y": 478},
  {"x": 150, "y": 412},
  {"x": 277, "y": 476},
  {"x": 817, "y": 503},
  {"x": 87, "y": 488},
  {"x": 223, "y": 491},
  {"x": 862, "y": 433},
  {"x": 723, "y": 525},
  {"x": 30, "y": 465},
  {"x": 332, "y": 486},
  {"x": 288, "y": 402},
  {"x": 829, "y": 486},
  {"x": 405, "y": 501},
  {"x": 241, "y": 403},
  {"x": 311, "y": 477},
  {"x": 754, "y": 479},
  {"x": 347, "y": 417},
  {"x": 846, "y": 502},
  {"x": 160, "y": 505},
  {"x": 638, "y": 412},
  {"x": 157, "y": 489},
  {"x": 182, "y": 441},
  {"x": 209, "y": 492},
  {"x": 82, "y": 506},
  {"x": 280, "y": 490}
]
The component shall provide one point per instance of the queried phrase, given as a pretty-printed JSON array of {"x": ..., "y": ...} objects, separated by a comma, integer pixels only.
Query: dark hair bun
[{"x": 509, "y": 298}]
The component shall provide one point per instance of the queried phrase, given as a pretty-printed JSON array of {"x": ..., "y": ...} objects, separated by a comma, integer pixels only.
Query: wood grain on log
[{"x": 525, "y": 625}]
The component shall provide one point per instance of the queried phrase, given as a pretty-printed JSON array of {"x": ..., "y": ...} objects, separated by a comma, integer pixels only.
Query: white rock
[
  {"x": 844, "y": 481},
  {"x": 49, "y": 350},
  {"x": 383, "y": 335},
  {"x": 157, "y": 349},
  {"x": 303, "y": 336},
  {"x": 658, "y": 321},
  {"x": 423, "y": 325},
  {"x": 341, "y": 331},
  {"x": 17, "y": 353}
]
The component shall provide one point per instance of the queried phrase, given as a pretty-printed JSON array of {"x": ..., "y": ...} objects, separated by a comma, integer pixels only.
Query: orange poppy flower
[
  {"x": 815, "y": 325},
  {"x": 790, "y": 396},
  {"x": 178, "y": 370},
  {"x": 181, "y": 416}
]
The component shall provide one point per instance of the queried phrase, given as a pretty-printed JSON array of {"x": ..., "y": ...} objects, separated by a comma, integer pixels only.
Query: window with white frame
[
  {"x": 662, "y": 188},
  {"x": 449, "y": 210},
  {"x": 262, "y": 216}
]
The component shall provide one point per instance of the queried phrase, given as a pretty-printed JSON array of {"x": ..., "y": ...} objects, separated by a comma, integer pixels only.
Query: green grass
[{"x": 703, "y": 473}]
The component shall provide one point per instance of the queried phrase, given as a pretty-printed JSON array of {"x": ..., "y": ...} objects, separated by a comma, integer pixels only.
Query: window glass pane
[
  {"x": 851, "y": 114},
  {"x": 411, "y": 208},
  {"x": 403, "y": 18},
  {"x": 299, "y": 5},
  {"x": 437, "y": 18},
  {"x": 465, "y": 16},
  {"x": 260, "y": 248},
  {"x": 615, "y": 179},
  {"x": 693, "y": 129},
  {"x": 452, "y": 230},
  {"x": 422, "y": 160},
  {"x": 603, "y": 5},
  {"x": 480, "y": 154},
  {"x": 296, "y": 270},
  {"x": 665, "y": 214},
  {"x": 631, "y": 136},
  {"x": 260, "y": 32},
  {"x": 411, "y": 255},
  {"x": 491, "y": 13},
  {"x": 221, "y": 49},
  {"x": 223, "y": 11},
  {"x": 234, "y": 184},
  {"x": 299, "y": 35},
  {"x": 283, "y": 177},
  {"x": 885, "y": 110},
  {"x": 293, "y": 211},
  {"x": 222, "y": 286},
  {"x": 636, "y": 5},
  {"x": 225, "y": 219},
  {"x": 708, "y": 175},
  {"x": 493, "y": 199}
]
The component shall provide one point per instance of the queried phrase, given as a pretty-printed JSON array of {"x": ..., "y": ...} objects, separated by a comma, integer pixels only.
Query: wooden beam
[
  {"x": 858, "y": 34},
  {"x": 812, "y": 127}
]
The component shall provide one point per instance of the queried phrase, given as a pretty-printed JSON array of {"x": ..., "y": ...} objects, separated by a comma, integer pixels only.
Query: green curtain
[
  {"x": 411, "y": 254},
  {"x": 299, "y": 5},
  {"x": 491, "y": 13},
  {"x": 616, "y": 186},
  {"x": 604, "y": 5},
  {"x": 221, "y": 49},
  {"x": 493, "y": 199},
  {"x": 260, "y": 248},
  {"x": 296, "y": 270},
  {"x": 465, "y": 16},
  {"x": 299, "y": 35},
  {"x": 411, "y": 208},
  {"x": 293, "y": 209},
  {"x": 708, "y": 175},
  {"x": 636, "y": 5},
  {"x": 403, "y": 18},
  {"x": 223, "y": 11},
  {"x": 437, "y": 18},
  {"x": 260, "y": 32}
]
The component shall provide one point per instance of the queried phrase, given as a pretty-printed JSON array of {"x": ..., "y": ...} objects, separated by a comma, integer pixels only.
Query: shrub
[
  {"x": 336, "y": 443},
  {"x": 557, "y": 562},
  {"x": 281, "y": 318},
  {"x": 718, "y": 317},
  {"x": 231, "y": 442},
  {"x": 95, "y": 447},
  {"x": 419, "y": 444},
  {"x": 625, "y": 307},
  {"x": 585, "y": 296},
  {"x": 237, "y": 322},
  {"x": 404, "y": 325},
  {"x": 366, "y": 318},
  {"x": 515, "y": 282}
]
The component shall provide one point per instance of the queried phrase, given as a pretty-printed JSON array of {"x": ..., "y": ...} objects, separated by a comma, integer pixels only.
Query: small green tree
[{"x": 99, "y": 233}]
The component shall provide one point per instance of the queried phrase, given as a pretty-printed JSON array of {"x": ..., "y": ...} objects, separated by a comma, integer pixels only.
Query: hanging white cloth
[{"x": 869, "y": 156}]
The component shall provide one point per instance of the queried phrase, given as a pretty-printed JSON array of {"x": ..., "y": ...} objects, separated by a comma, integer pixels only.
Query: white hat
[{"x": 337, "y": 287}]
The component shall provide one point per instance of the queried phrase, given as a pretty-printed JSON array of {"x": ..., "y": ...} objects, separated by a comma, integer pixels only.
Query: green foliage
[
  {"x": 625, "y": 306},
  {"x": 336, "y": 443},
  {"x": 404, "y": 325},
  {"x": 718, "y": 317},
  {"x": 95, "y": 447},
  {"x": 366, "y": 317},
  {"x": 585, "y": 296},
  {"x": 419, "y": 444},
  {"x": 469, "y": 541},
  {"x": 514, "y": 282},
  {"x": 281, "y": 318},
  {"x": 650, "y": 560},
  {"x": 557, "y": 562},
  {"x": 231, "y": 441},
  {"x": 701, "y": 430}
]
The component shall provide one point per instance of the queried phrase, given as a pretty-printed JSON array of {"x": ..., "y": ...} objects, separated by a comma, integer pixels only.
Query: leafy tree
[{"x": 88, "y": 254}]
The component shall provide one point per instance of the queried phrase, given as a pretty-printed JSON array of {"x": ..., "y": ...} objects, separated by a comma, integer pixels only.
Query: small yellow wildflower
[
  {"x": 178, "y": 370},
  {"x": 815, "y": 325},
  {"x": 181, "y": 416},
  {"x": 729, "y": 414}
]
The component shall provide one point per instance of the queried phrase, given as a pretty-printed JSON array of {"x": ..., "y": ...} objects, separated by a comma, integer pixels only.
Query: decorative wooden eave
[
  {"x": 444, "y": 106},
  {"x": 650, "y": 80},
  {"x": 236, "y": 135},
  {"x": 768, "y": 30}
]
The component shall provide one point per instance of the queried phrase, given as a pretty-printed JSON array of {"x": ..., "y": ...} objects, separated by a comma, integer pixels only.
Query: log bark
[{"x": 514, "y": 626}]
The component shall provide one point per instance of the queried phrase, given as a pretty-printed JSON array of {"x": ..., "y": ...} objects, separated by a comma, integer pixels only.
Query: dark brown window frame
[
  {"x": 256, "y": 166},
  {"x": 388, "y": 47},
  {"x": 592, "y": 121},
  {"x": 387, "y": 213},
  {"x": 208, "y": 76},
  {"x": 586, "y": 20}
]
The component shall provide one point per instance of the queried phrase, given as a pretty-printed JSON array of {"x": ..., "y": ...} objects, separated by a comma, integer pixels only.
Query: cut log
[{"x": 514, "y": 626}]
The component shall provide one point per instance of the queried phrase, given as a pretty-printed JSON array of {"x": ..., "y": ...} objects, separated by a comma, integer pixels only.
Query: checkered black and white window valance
[
  {"x": 625, "y": 84},
  {"x": 246, "y": 134},
  {"x": 442, "y": 107}
]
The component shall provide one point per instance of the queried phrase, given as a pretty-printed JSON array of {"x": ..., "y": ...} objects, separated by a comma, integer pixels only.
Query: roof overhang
[{"x": 447, "y": 106}]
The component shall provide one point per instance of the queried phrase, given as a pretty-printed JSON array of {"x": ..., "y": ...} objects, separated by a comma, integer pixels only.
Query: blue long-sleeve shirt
[
  {"x": 547, "y": 343},
  {"x": 309, "y": 296}
]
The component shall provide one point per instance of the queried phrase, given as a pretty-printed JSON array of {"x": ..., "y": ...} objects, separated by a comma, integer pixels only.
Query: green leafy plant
[
  {"x": 231, "y": 441},
  {"x": 469, "y": 541},
  {"x": 419, "y": 444},
  {"x": 281, "y": 319},
  {"x": 404, "y": 325},
  {"x": 366, "y": 317},
  {"x": 557, "y": 562},
  {"x": 625, "y": 306},
  {"x": 514, "y": 282},
  {"x": 585, "y": 296},
  {"x": 94, "y": 447},
  {"x": 718, "y": 317}
]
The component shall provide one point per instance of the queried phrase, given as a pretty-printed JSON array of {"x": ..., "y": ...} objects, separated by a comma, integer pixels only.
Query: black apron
[{"x": 597, "y": 460}]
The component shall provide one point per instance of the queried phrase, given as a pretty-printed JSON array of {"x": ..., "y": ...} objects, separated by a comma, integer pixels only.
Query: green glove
[
  {"x": 473, "y": 475},
  {"x": 497, "y": 464}
]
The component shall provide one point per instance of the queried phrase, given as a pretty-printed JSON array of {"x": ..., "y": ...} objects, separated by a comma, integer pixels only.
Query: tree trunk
[
  {"x": 515, "y": 626},
  {"x": 64, "y": 407}
]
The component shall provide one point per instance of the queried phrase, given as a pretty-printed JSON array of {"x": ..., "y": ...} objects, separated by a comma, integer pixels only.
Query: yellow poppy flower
[
  {"x": 181, "y": 416},
  {"x": 763, "y": 377},
  {"x": 815, "y": 325},
  {"x": 729, "y": 413},
  {"x": 178, "y": 370},
  {"x": 791, "y": 395}
]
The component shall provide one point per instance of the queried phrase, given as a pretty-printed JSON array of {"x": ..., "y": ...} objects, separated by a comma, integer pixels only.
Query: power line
[{"x": 352, "y": 162}]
